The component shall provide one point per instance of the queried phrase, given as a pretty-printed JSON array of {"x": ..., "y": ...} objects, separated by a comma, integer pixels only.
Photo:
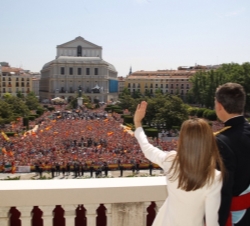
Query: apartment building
[
  {"x": 14, "y": 80},
  {"x": 168, "y": 81}
]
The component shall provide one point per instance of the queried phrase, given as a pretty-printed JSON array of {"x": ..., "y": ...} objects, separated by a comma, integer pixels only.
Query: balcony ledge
[{"x": 77, "y": 191}]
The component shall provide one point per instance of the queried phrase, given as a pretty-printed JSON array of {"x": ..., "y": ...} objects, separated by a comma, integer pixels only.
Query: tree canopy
[
  {"x": 163, "y": 109},
  {"x": 204, "y": 83}
]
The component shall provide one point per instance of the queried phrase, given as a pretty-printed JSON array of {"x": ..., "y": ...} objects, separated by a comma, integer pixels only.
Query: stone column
[
  {"x": 25, "y": 215},
  {"x": 47, "y": 215},
  {"x": 4, "y": 216},
  {"x": 69, "y": 214},
  {"x": 79, "y": 101}
]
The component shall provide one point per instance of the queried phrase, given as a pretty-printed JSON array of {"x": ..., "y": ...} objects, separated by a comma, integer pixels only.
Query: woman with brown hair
[{"x": 193, "y": 183}]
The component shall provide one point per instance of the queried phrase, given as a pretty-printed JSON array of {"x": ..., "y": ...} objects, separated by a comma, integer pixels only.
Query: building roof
[
  {"x": 74, "y": 59},
  {"x": 11, "y": 69},
  {"x": 161, "y": 74},
  {"x": 81, "y": 39}
]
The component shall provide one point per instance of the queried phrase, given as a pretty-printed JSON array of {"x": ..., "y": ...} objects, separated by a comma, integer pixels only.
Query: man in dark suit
[{"x": 234, "y": 145}]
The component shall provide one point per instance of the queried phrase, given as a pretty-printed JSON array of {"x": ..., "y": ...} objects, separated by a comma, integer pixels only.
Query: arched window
[{"x": 79, "y": 51}]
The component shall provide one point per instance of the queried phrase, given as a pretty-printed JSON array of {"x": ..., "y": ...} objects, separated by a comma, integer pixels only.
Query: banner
[{"x": 23, "y": 169}]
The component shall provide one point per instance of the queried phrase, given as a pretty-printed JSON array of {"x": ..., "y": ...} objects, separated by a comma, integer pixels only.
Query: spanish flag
[
  {"x": 5, "y": 136},
  {"x": 10, "y": 153},
  {"x": 4, "y": 151},
  {"x": 13, "y": 169},
  {"x": 110, "y": 133}
]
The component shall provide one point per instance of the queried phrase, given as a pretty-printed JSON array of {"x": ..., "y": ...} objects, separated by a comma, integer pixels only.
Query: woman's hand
[{"x": 140, "y": 113}]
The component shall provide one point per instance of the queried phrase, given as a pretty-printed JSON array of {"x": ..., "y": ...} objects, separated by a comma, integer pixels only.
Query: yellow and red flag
[
  {"x": 5, "y": 136},
  {"x": 4, "y": 151}
]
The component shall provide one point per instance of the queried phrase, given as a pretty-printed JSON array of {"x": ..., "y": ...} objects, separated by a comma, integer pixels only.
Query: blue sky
[{"x": 144, "y": 34}]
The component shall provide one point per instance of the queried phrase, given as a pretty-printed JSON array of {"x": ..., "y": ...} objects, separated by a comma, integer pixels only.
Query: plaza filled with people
[{"x": 79, "y": 140}]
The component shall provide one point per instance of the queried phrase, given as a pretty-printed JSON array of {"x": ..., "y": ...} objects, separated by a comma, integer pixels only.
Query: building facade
[
  {"x": 14, "y": 80},
  {"x": 79, "y": 67},
  {"x": 121, "y": 84},
  {"x": 168, "y": 81}
]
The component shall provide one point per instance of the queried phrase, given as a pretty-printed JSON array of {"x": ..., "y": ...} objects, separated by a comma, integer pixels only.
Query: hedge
[
  {"x": 31, "y": 117},
  {"x": 10, "y": 134},
  {"x": 127, "y": 119},
  {"x": 25, "y": 121},
  {"x": 151, "y": 132},
  {"x": 200, "y": 112},
  {"x": 210, "y": 115},
  {"x": 51, "y": 108},
  {"x": 119, "y": 111}
]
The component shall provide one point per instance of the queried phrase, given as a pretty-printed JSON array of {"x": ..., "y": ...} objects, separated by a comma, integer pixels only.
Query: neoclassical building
[{"x": 79, "y": 66}]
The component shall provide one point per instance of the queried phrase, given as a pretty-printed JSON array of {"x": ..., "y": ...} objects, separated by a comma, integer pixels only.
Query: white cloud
[{"x": 233, "y": 13}]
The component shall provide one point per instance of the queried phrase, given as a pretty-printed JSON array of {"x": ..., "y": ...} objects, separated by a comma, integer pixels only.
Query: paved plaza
[{"x": 116, "y": 173}]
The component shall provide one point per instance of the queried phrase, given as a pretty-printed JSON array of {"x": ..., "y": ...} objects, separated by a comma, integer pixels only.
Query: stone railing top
[{"x": 77, "y": 191}]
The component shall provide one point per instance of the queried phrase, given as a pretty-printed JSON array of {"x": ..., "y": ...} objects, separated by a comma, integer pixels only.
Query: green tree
[
  {"x": 18, "y": 106},
  {"x": 6, "y": 113},
  {"x": 31, "y": 101}
]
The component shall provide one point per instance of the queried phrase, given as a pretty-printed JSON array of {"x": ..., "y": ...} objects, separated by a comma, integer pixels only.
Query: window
[
  {"x": 71, "y": 71},
  {"x": 79, "y": 71},
  {"x": 62, "y": 71},
  {"x": 96, "y": 71},
  {"x": 79, "y": 51},
  {"x": 166, "y": 85},
  {"x": 87, "y": 71}
]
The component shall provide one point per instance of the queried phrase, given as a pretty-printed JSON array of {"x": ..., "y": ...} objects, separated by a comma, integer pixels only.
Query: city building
[
  {"x": 121, "y": 84},
  {"x": 168, "y": 81},
  {"x": 14, "y": 80},
  {"x": 79, "y": 68}
]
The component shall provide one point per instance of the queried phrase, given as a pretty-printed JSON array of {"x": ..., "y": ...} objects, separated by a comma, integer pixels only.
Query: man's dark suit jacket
[{"x": 234, "y": 147}]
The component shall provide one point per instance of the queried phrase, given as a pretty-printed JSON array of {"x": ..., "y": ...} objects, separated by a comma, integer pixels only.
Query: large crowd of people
[
  {"x": 80, "y": 137},
  {"x": 75, "y": 139}
]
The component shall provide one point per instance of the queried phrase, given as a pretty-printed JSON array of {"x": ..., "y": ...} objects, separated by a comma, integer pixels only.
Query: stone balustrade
[{"x": 105, "y": 201}]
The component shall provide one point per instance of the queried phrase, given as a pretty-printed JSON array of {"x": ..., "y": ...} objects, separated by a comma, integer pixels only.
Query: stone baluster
[
  {"x": 127, "y": 214},
  {"x": 145, "y": 212},
  {"x": 158, "y": 205},
  {"x": 4, "y": 216},
  {"x": 109, "y": 214},
  {"x": 69, "y": 214},
  {"x": 25, "y": 215},
  {"x": 91, "y": 214},
  {"x": 47, "y": 215}
]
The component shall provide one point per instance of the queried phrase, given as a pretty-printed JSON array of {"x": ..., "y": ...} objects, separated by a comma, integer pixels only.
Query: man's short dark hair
[{"x": 232, "y": 97}]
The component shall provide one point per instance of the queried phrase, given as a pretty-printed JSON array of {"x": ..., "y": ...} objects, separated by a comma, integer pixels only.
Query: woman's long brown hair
[{"x": 197, "y": 156}]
